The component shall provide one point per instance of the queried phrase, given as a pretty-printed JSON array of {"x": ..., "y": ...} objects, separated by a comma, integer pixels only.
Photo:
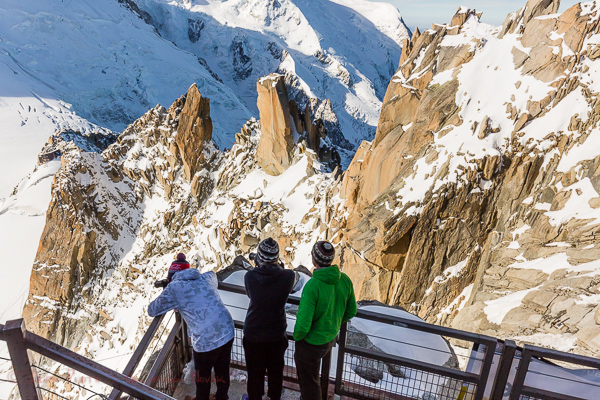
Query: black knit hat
[
  {"x": 323, "y": 253},
  {"x": 268, "y": 251}
]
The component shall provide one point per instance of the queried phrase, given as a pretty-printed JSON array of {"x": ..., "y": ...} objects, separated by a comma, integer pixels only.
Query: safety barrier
[
  {"x": 167, "y": 369},
  {"x": 496, "y": 369},
  {"x": 20, "y": 343},
  {"x": 539, "y": 376},
  {"x": 424, "y": 378}
]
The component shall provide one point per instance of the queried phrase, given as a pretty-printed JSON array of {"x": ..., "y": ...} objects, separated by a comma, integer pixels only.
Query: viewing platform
[{"x": 488, "y": 368}]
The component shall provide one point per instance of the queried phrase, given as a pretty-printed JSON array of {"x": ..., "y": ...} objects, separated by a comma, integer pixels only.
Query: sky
[{"x": 423, "y": 13}]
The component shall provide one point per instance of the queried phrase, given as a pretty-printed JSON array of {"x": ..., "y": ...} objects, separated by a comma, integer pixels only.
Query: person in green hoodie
[{"x": 327, "y": 301}]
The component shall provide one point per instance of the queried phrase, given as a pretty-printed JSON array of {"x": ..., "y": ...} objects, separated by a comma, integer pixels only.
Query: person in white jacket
[{"x": 210, "y": 326}]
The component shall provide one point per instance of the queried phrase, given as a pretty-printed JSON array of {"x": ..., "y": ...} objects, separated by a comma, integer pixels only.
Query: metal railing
[
  {"x": 167, "y": 369},
  {"x": 497, "y": 369},
  {"x": 413, "y": 378},
  {"x": 539, "y": 377},
  {"x": 21, "y": 343}
]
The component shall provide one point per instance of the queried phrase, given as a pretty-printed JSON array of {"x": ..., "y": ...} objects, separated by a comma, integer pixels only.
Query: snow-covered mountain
[
  {"x": 85, "y": 67},
  {"x": 342, "y": 50},
  {"x": 477, "y": 204},
  {"x": 90, "y": 66}
]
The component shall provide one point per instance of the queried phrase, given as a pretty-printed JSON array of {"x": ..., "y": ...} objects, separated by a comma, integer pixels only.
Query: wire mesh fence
[
  {"x": 170, "y": 374},
  {"x": 55, "y": 381},
  {"x": 369, "y": 378},
  {"x": 238, "y": 358}
]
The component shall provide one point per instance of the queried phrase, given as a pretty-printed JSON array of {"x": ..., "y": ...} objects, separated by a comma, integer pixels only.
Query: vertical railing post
[
  {"x": 519, "y": 381},
  {"x": 490, "y": 350},
  {"x": 325, "y": 366},
  {"x": 26, "y": 375},
  {"x": 504, "y": 367},
  {"x": 339, "y": 370},
  {"x": 187, "y": 344}
]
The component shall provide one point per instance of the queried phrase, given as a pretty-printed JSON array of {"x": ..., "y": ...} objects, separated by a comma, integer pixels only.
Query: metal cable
[
  {"x": 51, "y": 392},
  {"x": 66, "y": 380},
  {"x": 564, "y": 379},
  {"x": 411, "y": 344},
  {"x": 161, "y": 334},
  {"x": 7, "y": 380},
  {"x": 120, "y": 355},
  {"x": 238, "y": 307}
]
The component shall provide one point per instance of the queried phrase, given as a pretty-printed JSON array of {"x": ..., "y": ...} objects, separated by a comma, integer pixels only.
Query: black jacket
[{"x": 268, "y": 287}]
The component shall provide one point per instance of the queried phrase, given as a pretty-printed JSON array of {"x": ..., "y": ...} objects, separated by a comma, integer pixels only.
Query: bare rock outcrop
[
  {"x": 274, "y": 152},
  {"x": 454, "y": 206},
  {"x": 92, "y": 214},
  {"x": 193, "y": 131},
  {"x": 534, "y": 8},
  {"x": 410, "y": 85}
]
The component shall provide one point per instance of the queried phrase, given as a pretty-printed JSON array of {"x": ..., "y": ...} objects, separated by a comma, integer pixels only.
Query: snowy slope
[
  {"x": 343, "y": 50},
  {"x": 104, "y": 60},
  {"x": 62, "y": 65},
  {"x": 81, "y": 66}
]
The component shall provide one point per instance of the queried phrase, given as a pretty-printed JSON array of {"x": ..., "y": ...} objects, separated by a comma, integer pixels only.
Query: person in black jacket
[{"x": 265, "y": 341}]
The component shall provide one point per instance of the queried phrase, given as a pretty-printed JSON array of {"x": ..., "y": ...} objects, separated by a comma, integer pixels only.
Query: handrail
[
  {"x": 390, "y": 319},
  {"x": 425, "y": 327},
  {"x": 561, "y": 356},
  {"x": 139, "y": 353},
  {"x": 173, "y": 356},
  {"x": 427, "y": 367},
  {"x": 164, "y": 353},
  {"x": 230, "y": 287},
  {"x": 519, "y": 387},
  {"x": 92, "y": 368}
]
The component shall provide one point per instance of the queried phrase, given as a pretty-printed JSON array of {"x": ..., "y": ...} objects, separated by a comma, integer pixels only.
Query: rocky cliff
[
  {"x": 117, "y": 217},
  {"x": 476, "y": 205},
  {"x": 341, "y": 50}
]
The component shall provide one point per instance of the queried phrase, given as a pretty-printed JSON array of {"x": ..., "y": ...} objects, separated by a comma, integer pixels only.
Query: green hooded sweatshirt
[{"x": 327, "y": 301}]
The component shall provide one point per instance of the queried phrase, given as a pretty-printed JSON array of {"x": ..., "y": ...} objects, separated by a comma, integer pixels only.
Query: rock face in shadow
[{"x": 274, "y": 152}]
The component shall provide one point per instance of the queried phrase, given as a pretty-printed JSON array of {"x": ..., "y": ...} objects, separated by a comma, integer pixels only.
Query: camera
[
  {"x": 252, "y": 256},
  {"x": 161, "y": 283}
]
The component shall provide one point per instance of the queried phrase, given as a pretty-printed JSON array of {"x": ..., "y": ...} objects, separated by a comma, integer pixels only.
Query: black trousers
[
  {"x": 218, "y": 359},
  {"x": 308, "y": 365},
  {"x": 264, "y": 357}
]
